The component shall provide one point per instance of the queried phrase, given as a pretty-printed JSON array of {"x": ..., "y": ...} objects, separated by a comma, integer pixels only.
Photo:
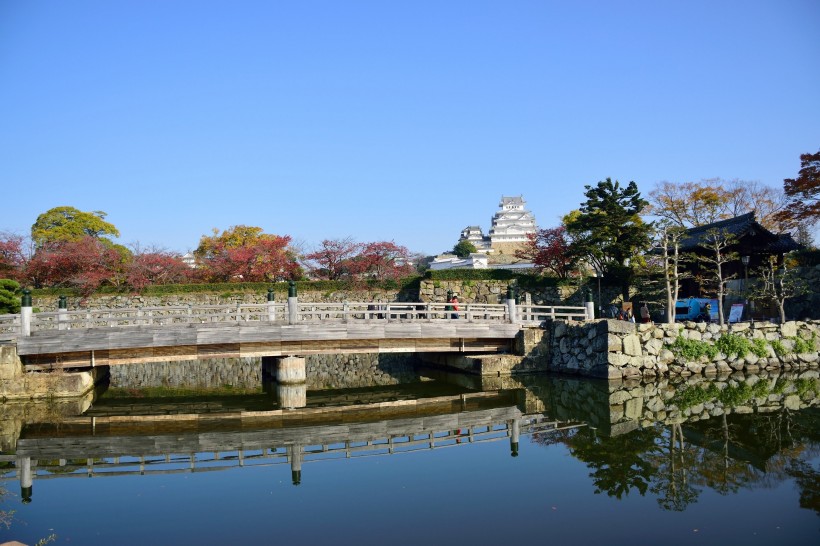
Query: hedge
[{"x": 409, "y": 283}]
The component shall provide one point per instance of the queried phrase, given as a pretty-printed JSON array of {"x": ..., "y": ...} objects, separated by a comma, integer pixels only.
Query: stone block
[{"x": 632, "y": 345}]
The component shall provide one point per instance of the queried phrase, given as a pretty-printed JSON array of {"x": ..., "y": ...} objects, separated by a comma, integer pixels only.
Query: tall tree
[
  {"x": 69, "y": 224},
  {"x": 608, "y": 230},
  {"x": 717, "y": 243},
  {"x": 803, "y": 192},
  {"x": 668, "y": 242},
  {"x": 549, "y": 250}
]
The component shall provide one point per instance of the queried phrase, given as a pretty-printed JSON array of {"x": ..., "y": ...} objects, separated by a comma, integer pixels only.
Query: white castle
[{"x": 510, "y": 227}]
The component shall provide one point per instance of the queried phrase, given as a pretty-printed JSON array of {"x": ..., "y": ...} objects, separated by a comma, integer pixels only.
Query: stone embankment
[{"x": 620, "y": 350}]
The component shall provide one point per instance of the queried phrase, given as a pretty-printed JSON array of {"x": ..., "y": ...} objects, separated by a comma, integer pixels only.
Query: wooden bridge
[{"x": 72, "y": 339}]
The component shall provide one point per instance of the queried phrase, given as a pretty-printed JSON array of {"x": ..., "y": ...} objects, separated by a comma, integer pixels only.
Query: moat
[{"x": 396, "y": 452}]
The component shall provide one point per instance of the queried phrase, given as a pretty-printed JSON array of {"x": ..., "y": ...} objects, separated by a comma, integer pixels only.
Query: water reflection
[{"x": 672, "y": 440}]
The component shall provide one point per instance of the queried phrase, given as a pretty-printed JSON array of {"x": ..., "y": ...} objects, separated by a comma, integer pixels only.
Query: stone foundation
[{"x": 615, "y": 349}]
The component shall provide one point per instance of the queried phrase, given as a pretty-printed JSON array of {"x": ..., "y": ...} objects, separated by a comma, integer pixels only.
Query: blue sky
[{"x": 402, "y": 121}]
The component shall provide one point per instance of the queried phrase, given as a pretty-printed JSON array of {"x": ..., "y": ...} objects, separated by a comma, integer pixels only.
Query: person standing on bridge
[{"x": 454, "y": 305}]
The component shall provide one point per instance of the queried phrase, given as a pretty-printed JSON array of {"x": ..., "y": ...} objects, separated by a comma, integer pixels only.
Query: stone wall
[
  {"x": 618, "y": 349},
  {"x": 111, "y": 301},
  {"x": 348, "y": 371},
  {"x": 496, "y": 292},
  {"x": 342, "y": 371}
]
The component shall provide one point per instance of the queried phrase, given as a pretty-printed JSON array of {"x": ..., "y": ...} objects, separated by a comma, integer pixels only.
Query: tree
[
  {"x": 334, "y": 259},
  {"x": 668, "y": 242},
  {"x": 549, "y": 249},
  {"x": 12, "y": 256},
  {"x": 779, "y": 284},
  {"x": 716, "y": 243},
  {"x": 384, "y": 260},
  {"x": 246, "y": 254},
  {"x": 85, "y": 264},
  {"x": 803, "y": 192},
  {"x": 69, "y": 224},
  {"x": 9, "y": 296},
  {"x": 608, "y": 231},
  {"x": 155, "y": 266},
  {"x": 464, "y": 248},
  {"x": 692, "y": 204}
]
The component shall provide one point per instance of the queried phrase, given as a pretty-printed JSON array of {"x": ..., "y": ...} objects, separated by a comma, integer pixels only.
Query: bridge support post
[
  {"x": 290, "y": 370},
  {"x": 291, "y": 396},
  {"x": 511, "y": 305},
  {"x": 62, "y": 313},
  {"x": 293, "y": 303},
  {"x": 25, "y": 313}
]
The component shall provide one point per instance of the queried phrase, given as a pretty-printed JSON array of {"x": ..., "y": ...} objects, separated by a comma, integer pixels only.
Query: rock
[{"x": 632, "y": 345}]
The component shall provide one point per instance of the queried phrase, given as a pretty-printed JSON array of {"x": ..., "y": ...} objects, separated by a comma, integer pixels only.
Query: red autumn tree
[
  {"x": 155, "y": 266},
  {"x": 335, "y": 259},
  {"x": 84, "y": 264},
  {"x": 246, "y": 254},
  {"x": 384, "y": 260},
  {"x": 549, "y": 250},
  {"x": 803, "y": 192},
  {"x": 12, "y": 256}
]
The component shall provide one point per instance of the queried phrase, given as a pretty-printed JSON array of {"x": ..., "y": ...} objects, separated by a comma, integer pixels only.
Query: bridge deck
[{"x": 122, "y": 345}]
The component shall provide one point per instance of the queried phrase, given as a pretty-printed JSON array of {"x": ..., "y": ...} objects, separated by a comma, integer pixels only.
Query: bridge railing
[
  {"x": 10, "y": 325},
  {"x": 536, "y": 314}
]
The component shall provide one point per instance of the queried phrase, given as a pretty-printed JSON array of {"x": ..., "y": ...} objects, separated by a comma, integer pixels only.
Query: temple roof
[{"x": 739, "y": 227}]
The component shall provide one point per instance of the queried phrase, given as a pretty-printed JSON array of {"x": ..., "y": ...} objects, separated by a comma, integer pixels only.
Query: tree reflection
[{"x": 725, "y": 454}]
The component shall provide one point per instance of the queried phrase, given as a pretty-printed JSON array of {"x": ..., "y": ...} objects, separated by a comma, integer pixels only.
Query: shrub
[
  {"x": 804, "y": 345},
  {"x": 9, "y": 296},
  {"x": 692, "y": 349},
  {"x": 760, "y": 348},
  {"x": 732, "y": 344}
]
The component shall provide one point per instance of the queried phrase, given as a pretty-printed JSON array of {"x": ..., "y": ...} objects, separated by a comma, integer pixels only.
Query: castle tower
[{"x": 511, "y": 225}]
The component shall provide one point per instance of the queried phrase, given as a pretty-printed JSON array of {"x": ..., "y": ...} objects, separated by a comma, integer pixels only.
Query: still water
[{"x": 418, "y": 457}]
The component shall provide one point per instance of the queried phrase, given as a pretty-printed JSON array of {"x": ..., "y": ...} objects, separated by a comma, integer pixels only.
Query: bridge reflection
[{"x": 100, "y": 443}]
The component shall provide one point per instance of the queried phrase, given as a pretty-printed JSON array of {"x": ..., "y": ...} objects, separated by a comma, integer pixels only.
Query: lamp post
[{"x": 598, "y": 273}]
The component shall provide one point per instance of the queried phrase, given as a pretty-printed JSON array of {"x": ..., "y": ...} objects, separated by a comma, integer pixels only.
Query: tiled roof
[{"x": 739, "y": 226}]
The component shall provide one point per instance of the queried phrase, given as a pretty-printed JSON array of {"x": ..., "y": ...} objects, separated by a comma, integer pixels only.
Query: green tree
[
  {"x": 62, "y": 224},
  {"x": 9, "y": 296},
  {"x": 608, "y": 232},
  {"x": 464, "y": 248}
]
